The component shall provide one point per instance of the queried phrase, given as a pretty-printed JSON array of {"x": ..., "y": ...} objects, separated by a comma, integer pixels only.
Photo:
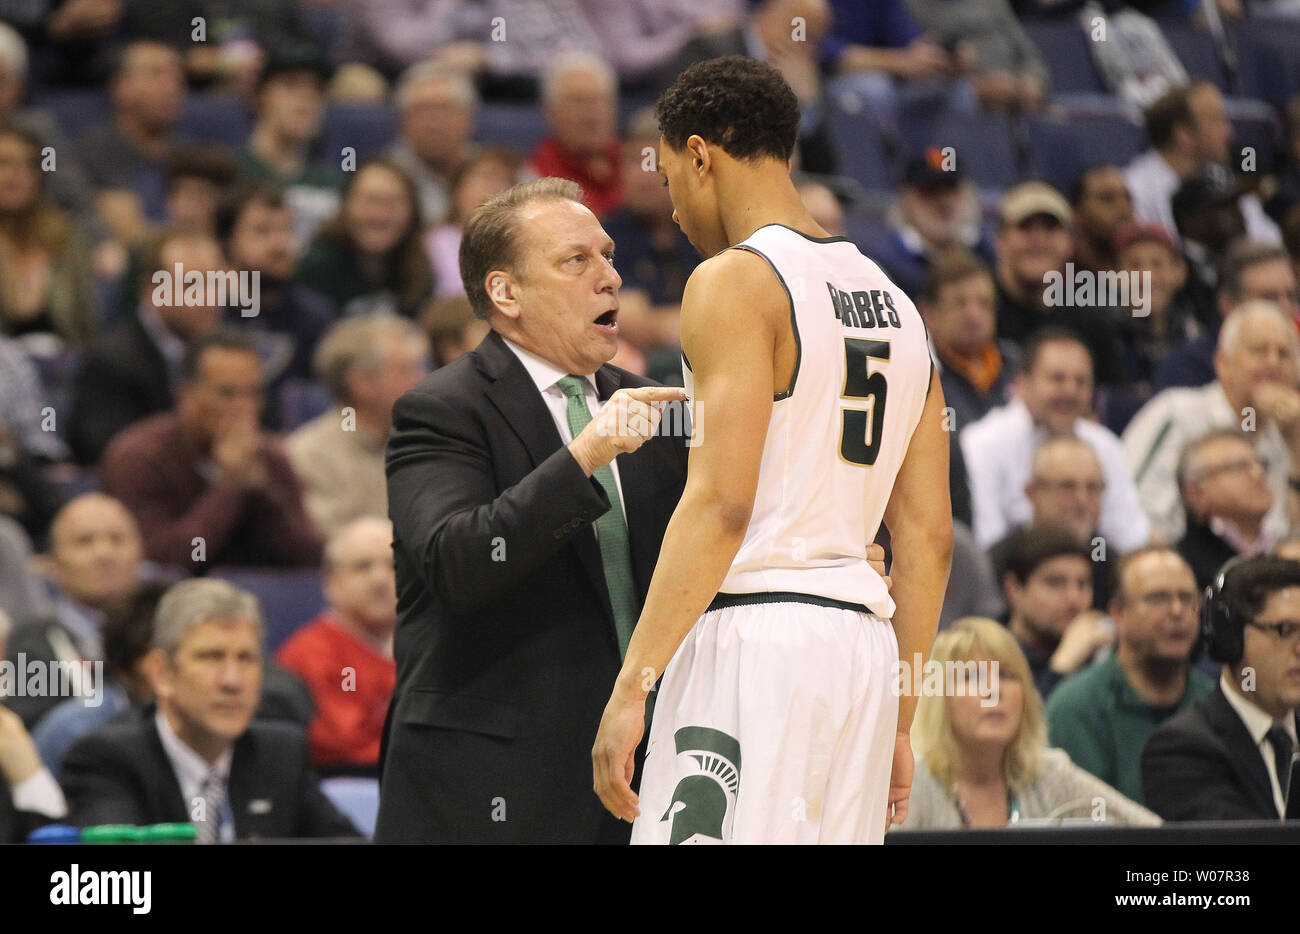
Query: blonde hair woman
[{"x": 982, "y": 764}]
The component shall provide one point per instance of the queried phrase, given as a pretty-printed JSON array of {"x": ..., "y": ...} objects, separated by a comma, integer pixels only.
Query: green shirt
[{"x": 1097, "y": 717}]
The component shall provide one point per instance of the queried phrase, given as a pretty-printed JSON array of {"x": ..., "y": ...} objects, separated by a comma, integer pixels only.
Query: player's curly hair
[{"x": 738, "y": 103}]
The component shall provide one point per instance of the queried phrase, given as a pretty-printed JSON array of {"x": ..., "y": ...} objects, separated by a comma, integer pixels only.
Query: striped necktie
[
  {"x": 213, "y": 793},
  {"x": 611, "y": 529}
]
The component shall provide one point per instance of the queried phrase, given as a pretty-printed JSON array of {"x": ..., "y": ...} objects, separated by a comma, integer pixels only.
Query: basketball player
[{"x": 820, "y": 414}]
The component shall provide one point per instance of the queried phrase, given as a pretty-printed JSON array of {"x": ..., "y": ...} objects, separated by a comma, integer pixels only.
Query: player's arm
[
  {"x": 730, "y": 312},
  {"x": 919, "y": 516}
]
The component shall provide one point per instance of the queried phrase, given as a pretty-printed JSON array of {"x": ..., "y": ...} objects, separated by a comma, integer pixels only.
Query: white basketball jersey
[{"x": 837, "y": 438}]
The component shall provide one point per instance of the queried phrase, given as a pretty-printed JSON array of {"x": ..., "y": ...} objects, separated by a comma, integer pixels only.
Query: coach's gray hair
[
  {"x": 191, "y": 602},
  {"x": 1236, "y": 320}
]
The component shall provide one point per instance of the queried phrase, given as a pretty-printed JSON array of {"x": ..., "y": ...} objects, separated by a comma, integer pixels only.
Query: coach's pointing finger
[{"x": 624, "y": 423}]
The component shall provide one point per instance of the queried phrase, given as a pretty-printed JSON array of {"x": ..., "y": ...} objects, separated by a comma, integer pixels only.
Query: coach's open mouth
[{"x": 609, "y": 321}]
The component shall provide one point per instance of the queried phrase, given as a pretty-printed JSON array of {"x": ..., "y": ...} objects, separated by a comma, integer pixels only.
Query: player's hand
[
  {"x": 876, "y": 558},
  {"x": 624, "y": 423},
  {"x": 612, "y": 755},
  {"x": 900, "y": 780}
]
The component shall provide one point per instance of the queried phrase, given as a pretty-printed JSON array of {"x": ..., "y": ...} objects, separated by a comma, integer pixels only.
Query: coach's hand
[
  {"x": 612, "y": 756},
  {"x": 900, "y": 780},
  {"x": 624, "y": 423}
]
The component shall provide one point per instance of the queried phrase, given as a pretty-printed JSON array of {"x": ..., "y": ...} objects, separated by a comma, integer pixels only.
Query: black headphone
[{"x": 1221, "y": 631}]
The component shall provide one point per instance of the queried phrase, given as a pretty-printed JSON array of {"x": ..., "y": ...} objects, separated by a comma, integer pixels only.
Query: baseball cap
[
  {"x": 1212, "y": 186},
  {"x": 1030, "y": 198},
  {"x": 926, "y": 171},
  {"x": 1131, "y": 232}
]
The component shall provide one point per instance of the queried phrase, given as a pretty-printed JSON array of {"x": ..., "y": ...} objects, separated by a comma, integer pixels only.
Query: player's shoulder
[{"x": 734, "y": 278}]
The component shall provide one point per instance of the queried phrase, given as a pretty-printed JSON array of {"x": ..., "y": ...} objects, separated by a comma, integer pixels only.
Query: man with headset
[{"x": 1232, "y": 754}]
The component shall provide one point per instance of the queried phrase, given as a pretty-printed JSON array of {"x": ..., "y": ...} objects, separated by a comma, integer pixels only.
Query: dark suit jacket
[
  {"x": 120, "y": 774},
  {"x": 1204, "y": 551},
  {"x": 1201, "y": 765},
  {"x": 506, "y": 649},
  {"x": 122, "y": 380}
]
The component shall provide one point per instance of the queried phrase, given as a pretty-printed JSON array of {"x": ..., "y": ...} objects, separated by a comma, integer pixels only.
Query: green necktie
[{"x": 611, "y": 529}]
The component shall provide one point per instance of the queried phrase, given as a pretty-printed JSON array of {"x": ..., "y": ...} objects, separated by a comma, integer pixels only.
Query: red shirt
[
  {"x": 351, "y": 683},
  {"x": 602, "y": 194}
]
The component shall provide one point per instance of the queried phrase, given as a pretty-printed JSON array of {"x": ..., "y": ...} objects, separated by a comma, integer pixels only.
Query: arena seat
[
  {"x": 1064, "y": 47},
  {"x": 986, "y": 148},
  {"x": 74, "y": 111},
  {"x": 215, "y": 118},
  {"x": 1269, "y": 61},
  {"x": 519, "y": 125},
  {"x": 855, "y": 133},
  {"x": 1257, "y": 125},
  {"x": 289, "y": 596},
  {"x": 301, "y": 400},
  {"x": 1195, "y": 48},
  {"x": 1069, "y": 139},
  {"x": 368, "y": 128}
]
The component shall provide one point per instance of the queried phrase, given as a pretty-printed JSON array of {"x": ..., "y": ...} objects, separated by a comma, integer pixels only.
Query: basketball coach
[{"x": 523, "y": 548}]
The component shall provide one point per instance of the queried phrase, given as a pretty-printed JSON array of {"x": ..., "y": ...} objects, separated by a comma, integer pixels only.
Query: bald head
[
  {"x": 1066, "y": 485},
  {"x": 95, "y": 550},
  {"x": 1257, "y": 344}
]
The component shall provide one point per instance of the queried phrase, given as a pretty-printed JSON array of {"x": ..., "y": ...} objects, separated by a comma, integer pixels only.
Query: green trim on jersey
[{"x": 794, "y": 324}]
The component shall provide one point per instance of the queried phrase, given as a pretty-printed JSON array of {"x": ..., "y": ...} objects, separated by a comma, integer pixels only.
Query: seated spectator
[
  {"x": 976, "y": 369},
  {"x": 1055, "y": 397},
  {"x": 982, "y": 761},
  {"x": 366, "y": 363},
  {"x": 1286, "y": 183},
  {"x": 289, "y": 107},
  {"x": 1227, "y": 756},
  {"x": 133, "y": 370},
  {"x": 95, "y": 565},
  {"x": 29, "y": 795},
  {"x": 1226, "y": 497},
  {"x": 1102, "y": 715},
  {"x": 1101, "y": 203},
  {"x": 490, "y": 171},
  {"x": 20, "y": 416},
  {"x": 437, "y": 109},
  {"x": 1066, "y": 486},
  {"x": 196, "y": 177},
  {"x": 345, "y": 655},
  {"x": 1048, "y": 586},
  {"x": 393, "y": 35},
  {"x": 453, "y": 328},
  {"x": 579, "y": 96},
  {"x": 45, "y": 282},
  {"x": 1250, "y": 270},
  {"x": 370, "y": 258},
  {"x": 1208, "y": 219},
  {"x": 125, "y": 157},
  {"x": 255, "y": 228},
  {"x": 70, "y": 185},
  {"x": 1033, "y": 242},
  {"x": 1187, "y": 128},
  {"x": 206, "y": 485},
  {"x": 127, "y": 632},
  {"x": 937, "y": 211},
  {"x": 200, "y": 756},
  {"x": 1005, "y": 66},
  {"x": 1173, "y": 315},
  {"x": 1257, "y": 369}
]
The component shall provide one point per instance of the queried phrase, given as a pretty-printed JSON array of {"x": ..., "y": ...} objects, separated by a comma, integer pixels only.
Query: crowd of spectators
[{"x": 1110, "y": 450}]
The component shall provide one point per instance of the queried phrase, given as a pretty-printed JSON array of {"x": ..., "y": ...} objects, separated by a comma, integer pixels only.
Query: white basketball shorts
[{"x": 774, "y": 723}]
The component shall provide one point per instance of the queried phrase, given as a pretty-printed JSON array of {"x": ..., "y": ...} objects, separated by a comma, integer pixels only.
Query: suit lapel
[
  {"x": 1243, "y": 754},
  {"x": 515, "y": 396}
]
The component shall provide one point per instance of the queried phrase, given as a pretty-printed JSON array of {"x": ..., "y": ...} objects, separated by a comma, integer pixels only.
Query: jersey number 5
[{"x": 860, "y": 428}]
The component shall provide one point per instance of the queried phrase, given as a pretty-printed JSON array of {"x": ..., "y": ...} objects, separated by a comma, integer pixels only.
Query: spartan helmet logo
[{"x": 704, "y": 799}]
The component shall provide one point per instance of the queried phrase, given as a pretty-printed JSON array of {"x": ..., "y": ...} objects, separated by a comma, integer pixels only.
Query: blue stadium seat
[
  {"x": 215, "y": 118},
  {"x": 289, "y": 596},
  {"x": 1064, "y": 47},
  {"x": 301, "y": 400},
  {"x": 855, "y": 133},
  {"x": 1270, "y": 62},
  {"x": 1257, "y": 125},
  {"x": 1195, "y": 48},
  {"x": 1071, "y": 140},
  {"x": 368, "y": 128},
  {"x": 75, "y": 111},
  {"x": 519, "y": 125},
  {"x": 984, "y": 146},
  {"x": 358, "y": 798}
]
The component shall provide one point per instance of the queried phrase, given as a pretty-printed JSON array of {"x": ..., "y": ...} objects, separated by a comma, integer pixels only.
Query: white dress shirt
[
  {"x": 192, "y": 771},
  {"x": 1258, "y": 723},
  {"x": 39, "y": 794},
  {"x": 999, "y": 453},
  {"x": 547, "y": 377}
]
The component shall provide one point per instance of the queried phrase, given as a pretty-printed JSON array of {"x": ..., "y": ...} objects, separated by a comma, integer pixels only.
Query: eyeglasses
[
  {"x": 1240, "y": 465},
  {"x": 1285, "y": 630},
  {"x": 1163, "y": 599},
  {"x": 1072, "y": 486}
]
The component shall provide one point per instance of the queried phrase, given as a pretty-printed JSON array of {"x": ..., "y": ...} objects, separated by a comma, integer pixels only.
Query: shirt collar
[
  {"x": 543, "y": 373},
  {"x": 1257, "y": 721},
  {"x": 171, "y": 346},
  {"x": 191, "y": 768},
  {"x": 82, "y": 621}
]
